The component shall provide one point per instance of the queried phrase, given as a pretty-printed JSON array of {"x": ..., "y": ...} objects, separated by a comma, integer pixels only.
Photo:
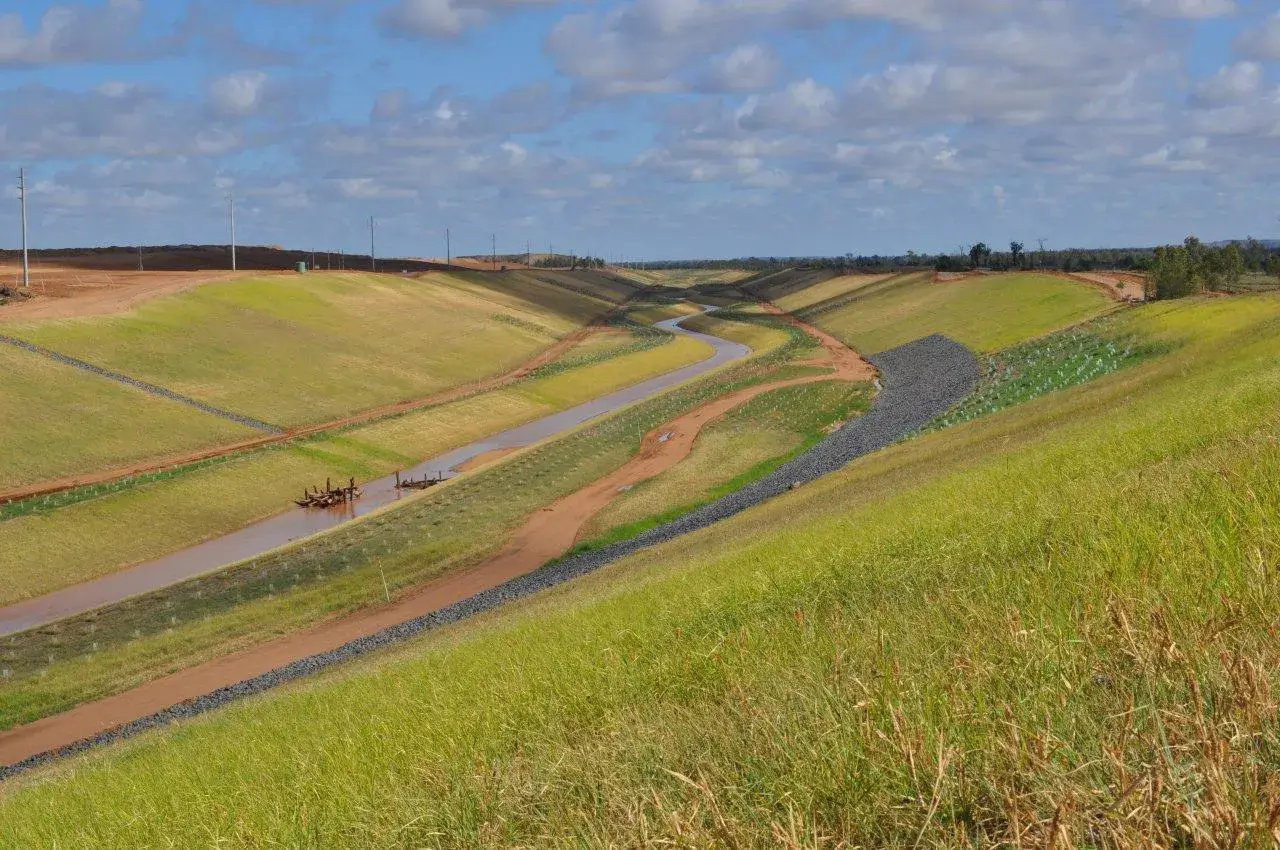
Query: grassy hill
[
  {"x": 985, "y": 313},
  {"x": 1053, "y": 625},
  {"x": 288, "y": 350},
  {"x": 56, "y": 421}
]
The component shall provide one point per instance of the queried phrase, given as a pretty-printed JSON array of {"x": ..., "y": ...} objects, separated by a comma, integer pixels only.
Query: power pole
[
  {"x": 231, "y": 202},
  {"x": 493, "y": 237},
  {"x": 528, "y": 256},
  {"x": 1041, "y": 257},
  {"x": 373, "y": 247},
  {"x": 448, "y": 248},
  {"x": 140, "y": 258},
  {"x": 22, "y": 195}
]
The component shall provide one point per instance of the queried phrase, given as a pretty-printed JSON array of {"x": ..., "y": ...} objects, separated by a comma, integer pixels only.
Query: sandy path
[
  {"x": 157, "y": 464},
  {"x": 547, "y": 534}
]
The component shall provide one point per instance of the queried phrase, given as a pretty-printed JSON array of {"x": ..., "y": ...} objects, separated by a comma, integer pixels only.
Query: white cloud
[
  {"x": 70, "y": 34},
  {"x": 1196, "y": 10},
  {"x": 239, "y": 94},
  {"x": 748, "y": 67},
  {"x": 1231, "y": 83},
  {"x": 1262, "y": 42},
  {"x": 445, "y": 19}
]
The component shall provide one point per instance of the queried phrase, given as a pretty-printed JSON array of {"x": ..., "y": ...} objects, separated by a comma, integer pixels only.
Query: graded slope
[
  {"x": 148, "y": 519},
  {"x": 1052, "y": 625},
  {"x": 292, "y": 351},
  {"x": 986, "y": 313},
  {"x": 57, "y": 420}
]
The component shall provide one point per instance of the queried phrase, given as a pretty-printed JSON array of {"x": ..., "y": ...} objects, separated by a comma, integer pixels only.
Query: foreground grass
[
  {"x": 985, "y": 313},
  {"x": 1051, "y": 626},
  {"x": 356, "y": 565},
  {"x": 297, "y": 350},
  {"x": 58, "y": 421},
  {"x": 44, "y": 548}
]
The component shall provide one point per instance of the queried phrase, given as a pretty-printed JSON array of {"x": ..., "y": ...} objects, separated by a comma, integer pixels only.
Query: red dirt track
[{"x": 547, "y": 534}]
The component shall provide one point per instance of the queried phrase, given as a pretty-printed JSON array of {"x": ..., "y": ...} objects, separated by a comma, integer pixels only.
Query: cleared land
[
  {"x": 985, "y": 313},
  {"x": 298, "y": 350},
  {"x": 1051, "y": 625},
  {"x": 40, "y": 550}
]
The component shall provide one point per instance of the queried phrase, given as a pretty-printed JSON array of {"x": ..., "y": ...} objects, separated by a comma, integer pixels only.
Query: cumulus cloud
[
  {"x": 1262, "y": 42},
  {"x": 239, "y": 94},
  {"x": 748, "y": 67},
  {"x": 1231, "y": 83},
  {"x": 1195, "y": 10},
  {"x": 71, "y": 34},
  {"x": 445, "y": 19}
]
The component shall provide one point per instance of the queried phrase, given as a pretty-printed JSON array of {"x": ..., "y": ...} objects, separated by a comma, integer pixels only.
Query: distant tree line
[
  {"x": 1254, "y": 257},
  {"x": 568, "y": 261}
]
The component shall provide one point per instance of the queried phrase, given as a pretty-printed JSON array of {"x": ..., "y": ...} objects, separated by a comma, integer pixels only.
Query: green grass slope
[
  {"x": 40, "y": 551},
  {"x": 295, "y": 350},
  {"x": 1052, "y": 626},
  {"x": 57, "y": 421},
  {"x": 985, "y": 313}
]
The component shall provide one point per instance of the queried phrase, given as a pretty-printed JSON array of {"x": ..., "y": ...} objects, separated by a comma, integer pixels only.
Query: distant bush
[{"x": 1181, "y": 270}]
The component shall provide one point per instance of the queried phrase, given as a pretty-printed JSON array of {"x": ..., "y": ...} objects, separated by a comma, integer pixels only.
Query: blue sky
[{"x": 643, "y": 128}]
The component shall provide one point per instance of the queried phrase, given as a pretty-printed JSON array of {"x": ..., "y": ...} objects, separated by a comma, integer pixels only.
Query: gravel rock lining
[
  {"x": 922, "y": 380},
  {"x": 140, "y": 385}
]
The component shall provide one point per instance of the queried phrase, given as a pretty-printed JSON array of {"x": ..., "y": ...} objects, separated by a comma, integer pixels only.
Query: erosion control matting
[{"x": 922, "y": 380}]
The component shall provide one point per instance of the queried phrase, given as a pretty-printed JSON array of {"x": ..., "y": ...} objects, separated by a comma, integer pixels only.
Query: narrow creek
[{"x": 266, "y": 535}]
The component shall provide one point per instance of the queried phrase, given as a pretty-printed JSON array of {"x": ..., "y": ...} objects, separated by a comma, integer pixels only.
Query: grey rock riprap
[
  {"x": 140, "y": 385},
  {"x": 922, "y": 380}
]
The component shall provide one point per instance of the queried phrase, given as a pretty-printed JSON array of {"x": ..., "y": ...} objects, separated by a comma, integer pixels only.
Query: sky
[{"x": 641, "y": 129}]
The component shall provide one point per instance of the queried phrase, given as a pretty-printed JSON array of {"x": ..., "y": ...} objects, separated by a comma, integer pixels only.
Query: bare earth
[
  {"x": 67, "y": 292},
  {"x": 546, "y": 535}
]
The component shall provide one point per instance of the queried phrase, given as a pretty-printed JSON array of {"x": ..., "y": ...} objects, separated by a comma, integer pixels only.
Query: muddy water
[{"x": 277, "y": 531}]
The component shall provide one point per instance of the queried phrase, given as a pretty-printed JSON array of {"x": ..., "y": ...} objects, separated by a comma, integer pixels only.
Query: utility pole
[
  {"x": 493, "y": 237},
  {"x": 448, "y": 248},
  {"x": 22, "y": 195},
  {"x": 1041, "y": 257},
  {"x": 140, "y": 258},
  {"x": 231, "y": 202},
  {"x": 373, "y": 247},
  {"x": 528, "y": 256}
]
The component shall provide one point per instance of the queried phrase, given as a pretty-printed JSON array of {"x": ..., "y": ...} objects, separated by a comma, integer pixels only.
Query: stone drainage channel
[
  {"x": 262, "y": 537},
  {"x": 922, "y": 380}
]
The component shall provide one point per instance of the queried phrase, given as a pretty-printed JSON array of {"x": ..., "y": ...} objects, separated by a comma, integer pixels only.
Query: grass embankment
[
  {"x": 56, "y": 420},
  {"x": 827, "y": 290},
  {"x": 43, "y": 542},
  {"x": 1049, "y": 364},
  {"x": 651, "y": 314},
  {"x": 985, "y": 313},
  {"x": 1054, "y": 625},
  {"x": 685, "y": 278},
  {"x": 444, "y": 529},
  {"x": 300, "y": 350},
  {"x": 744, "y": 446}
]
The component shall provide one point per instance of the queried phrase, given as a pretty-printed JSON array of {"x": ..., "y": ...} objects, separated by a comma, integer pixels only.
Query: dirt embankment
[{"x": 546, "y": 535}]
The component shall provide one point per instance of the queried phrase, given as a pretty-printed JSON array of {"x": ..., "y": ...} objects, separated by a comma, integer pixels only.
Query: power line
[
  {"x": 22, "y": 195},
  {"x": 231, "y": 201}
]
